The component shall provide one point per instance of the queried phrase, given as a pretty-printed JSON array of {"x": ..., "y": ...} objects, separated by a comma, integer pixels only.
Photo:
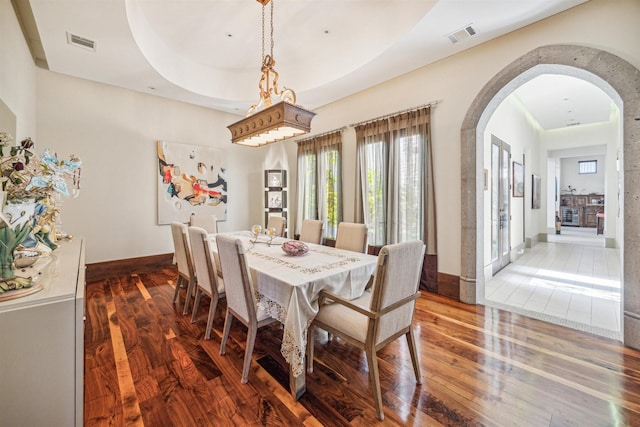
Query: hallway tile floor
[{"x": 572, "y": 280}]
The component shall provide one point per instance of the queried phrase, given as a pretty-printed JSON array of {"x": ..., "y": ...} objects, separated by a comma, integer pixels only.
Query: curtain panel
[
  {"x": 319, "y": 185},
  {"x": 400, "y": 146}
]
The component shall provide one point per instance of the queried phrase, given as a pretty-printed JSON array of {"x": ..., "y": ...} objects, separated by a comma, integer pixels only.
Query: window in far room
[{"x": 587, "y": 166}]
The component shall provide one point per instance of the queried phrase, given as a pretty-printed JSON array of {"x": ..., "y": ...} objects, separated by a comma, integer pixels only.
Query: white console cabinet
[{"x": 42, "y": 345}]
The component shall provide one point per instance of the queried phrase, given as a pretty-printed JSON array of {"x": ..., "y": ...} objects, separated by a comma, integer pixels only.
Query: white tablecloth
[{"x": 288, "y": 286}]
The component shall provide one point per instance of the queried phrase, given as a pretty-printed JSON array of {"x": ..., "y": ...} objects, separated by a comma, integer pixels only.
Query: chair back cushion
[
  {"x": 278, "y": 223},
  {"x": 182, "y": 249},
  {"x": 352, "y": 237},
  {"x": 203, "y": 262},
  {"x": 400, "y": 265},
  {"x": 208, "y": 222},
  {"x": 311, "y": 231},
  {"x": 237, "y": 280}
]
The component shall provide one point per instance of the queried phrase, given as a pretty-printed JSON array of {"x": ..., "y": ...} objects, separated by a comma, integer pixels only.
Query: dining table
[{"x": 288, "y": 288}]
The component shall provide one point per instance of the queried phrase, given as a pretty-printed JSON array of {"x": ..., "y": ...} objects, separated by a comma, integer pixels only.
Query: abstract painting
[
  {"x": 536, "y": 188},
  {"x": 191, "y": 179}
]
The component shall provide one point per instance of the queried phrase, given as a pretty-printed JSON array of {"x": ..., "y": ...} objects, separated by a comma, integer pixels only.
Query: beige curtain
[
  {"x": 405, "y": 134},
  {"x": 319, "y": 186},
  {"x": 329, "y": 197},
  {"x": 368, "y": 134},
  {"x": 306, "y": 184}
]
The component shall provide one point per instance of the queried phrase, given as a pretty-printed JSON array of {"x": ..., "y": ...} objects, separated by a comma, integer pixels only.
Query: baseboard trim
[
  {"x": 104, "y": 270},
  {"x": 449, "y": 285}
]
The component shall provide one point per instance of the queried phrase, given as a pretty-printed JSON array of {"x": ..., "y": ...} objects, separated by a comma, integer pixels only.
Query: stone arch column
[{"x": 624, "y": 78}]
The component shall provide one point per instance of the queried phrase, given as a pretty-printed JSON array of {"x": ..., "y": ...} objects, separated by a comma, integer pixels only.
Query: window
[
  {"x": 319, "y": 181},
  {"x": 376, "y": 193},
  {"x": 588, "y": 166},
  {"x": 395, "y": 185},
  {"x": 406, "y": 194}
]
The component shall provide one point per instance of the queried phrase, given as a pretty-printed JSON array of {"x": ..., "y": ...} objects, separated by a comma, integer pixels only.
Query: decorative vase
[
  {"x": 14, "y": 228},
  {"x": 10, "y": 238}
]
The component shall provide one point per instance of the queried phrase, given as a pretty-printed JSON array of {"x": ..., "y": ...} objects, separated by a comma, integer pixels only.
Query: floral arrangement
[
  {"x": 26, "y": 178},
  {"x": 22, "y": 178}
]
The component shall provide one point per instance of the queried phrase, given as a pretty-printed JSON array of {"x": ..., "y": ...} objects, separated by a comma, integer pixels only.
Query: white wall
[
  {"x": 17, "y": 73},
  {"x": 511, "y": 125},
  {"x": 583, "y": 183},
  {"x": 114, "y": 131}
]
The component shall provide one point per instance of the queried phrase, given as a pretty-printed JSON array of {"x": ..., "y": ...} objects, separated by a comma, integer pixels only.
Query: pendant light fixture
[{"x": 267, "y": 122}]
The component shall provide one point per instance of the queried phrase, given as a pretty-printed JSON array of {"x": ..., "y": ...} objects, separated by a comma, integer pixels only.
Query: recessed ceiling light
[
  {"x": 229, "y": 35},
  {"x": 152, "y": 87}
]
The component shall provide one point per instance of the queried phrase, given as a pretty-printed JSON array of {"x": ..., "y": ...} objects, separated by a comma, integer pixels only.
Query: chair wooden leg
[
  {"x": 212, "y": 311},
  {"x": 310, "y": 345},
  {"x": 251, "y": 340},
  {"x": 196, "y": 305},
  {"x": 225, "y": 333},
  {"x": 374, "y": 379},
  {"x": 414, "y": 356},
  {"x": 187, "y": 297},
  {"x": 176, "y": 292}
]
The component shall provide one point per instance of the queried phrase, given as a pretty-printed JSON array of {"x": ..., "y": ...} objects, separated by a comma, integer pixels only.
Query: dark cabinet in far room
[{"x": 581, "y": 210}]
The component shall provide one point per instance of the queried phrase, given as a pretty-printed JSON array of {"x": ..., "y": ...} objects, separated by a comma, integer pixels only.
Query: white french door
[{"x": 500, "y": 208}]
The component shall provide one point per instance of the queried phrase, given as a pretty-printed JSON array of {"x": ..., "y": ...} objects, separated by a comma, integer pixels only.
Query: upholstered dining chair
[
  {"x": 352, "y": 237},
  {"x": 311, "y": 231},
  {"x": 207, "y": 280},
  {"x": 379, "y": 316},
  {"x": 241, "y": 296},
  {"x": 184, "y": 260},
  {"x": 279, "y": 223},
  {"x": 207, "y": 221}
]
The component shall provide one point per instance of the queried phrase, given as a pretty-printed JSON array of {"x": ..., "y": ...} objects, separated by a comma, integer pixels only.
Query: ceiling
[{"x": 208, "y": 52}]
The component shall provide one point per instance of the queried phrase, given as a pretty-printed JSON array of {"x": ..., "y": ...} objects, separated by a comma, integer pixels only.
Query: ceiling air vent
[
  {"x": 81, "y": 42},
  {"x": 461, "y": 34}
]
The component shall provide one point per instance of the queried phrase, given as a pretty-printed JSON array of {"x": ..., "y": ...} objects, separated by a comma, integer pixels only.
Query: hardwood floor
[{"x": 146, "y": 364}]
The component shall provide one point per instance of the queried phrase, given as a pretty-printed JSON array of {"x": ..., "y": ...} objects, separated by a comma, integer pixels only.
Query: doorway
[{"x": 588, "y": 62}]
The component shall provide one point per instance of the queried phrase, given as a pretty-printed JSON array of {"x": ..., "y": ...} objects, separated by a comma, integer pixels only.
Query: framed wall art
[
  {"x": 275, "y": 194},
  {"x": 518, "y": 179},
  {"x": 191, "y": 179},
  {"x": 535, "y": 191}
]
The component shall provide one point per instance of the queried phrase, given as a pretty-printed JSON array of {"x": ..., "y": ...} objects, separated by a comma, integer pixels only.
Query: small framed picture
[
  {"x": 536, "y": 189},
  {"x": 274, "y": 199},
  {"x": 518, "y": 179},
  {"x": 275, "y": 178}
]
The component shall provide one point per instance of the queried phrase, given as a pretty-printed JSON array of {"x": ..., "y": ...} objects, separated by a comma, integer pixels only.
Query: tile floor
[{"x": 572, "y": 280}]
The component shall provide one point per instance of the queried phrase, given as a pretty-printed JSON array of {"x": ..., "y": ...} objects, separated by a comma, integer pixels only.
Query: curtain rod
[
  {"x": 429, "y": 104},
  {"x": 322, "y": 134}
]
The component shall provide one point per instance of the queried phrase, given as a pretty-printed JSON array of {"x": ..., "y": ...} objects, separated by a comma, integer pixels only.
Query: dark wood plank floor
[{"x": 146, "y": 364}]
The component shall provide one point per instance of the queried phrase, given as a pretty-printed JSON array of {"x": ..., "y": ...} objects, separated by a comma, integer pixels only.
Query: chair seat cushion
[
  {"x": 220, "y": 285},
  {"x": 345, "y": 320}
]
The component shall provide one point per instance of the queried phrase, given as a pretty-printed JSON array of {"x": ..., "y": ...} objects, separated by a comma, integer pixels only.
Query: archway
[{"x": 624, "y": 79}]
